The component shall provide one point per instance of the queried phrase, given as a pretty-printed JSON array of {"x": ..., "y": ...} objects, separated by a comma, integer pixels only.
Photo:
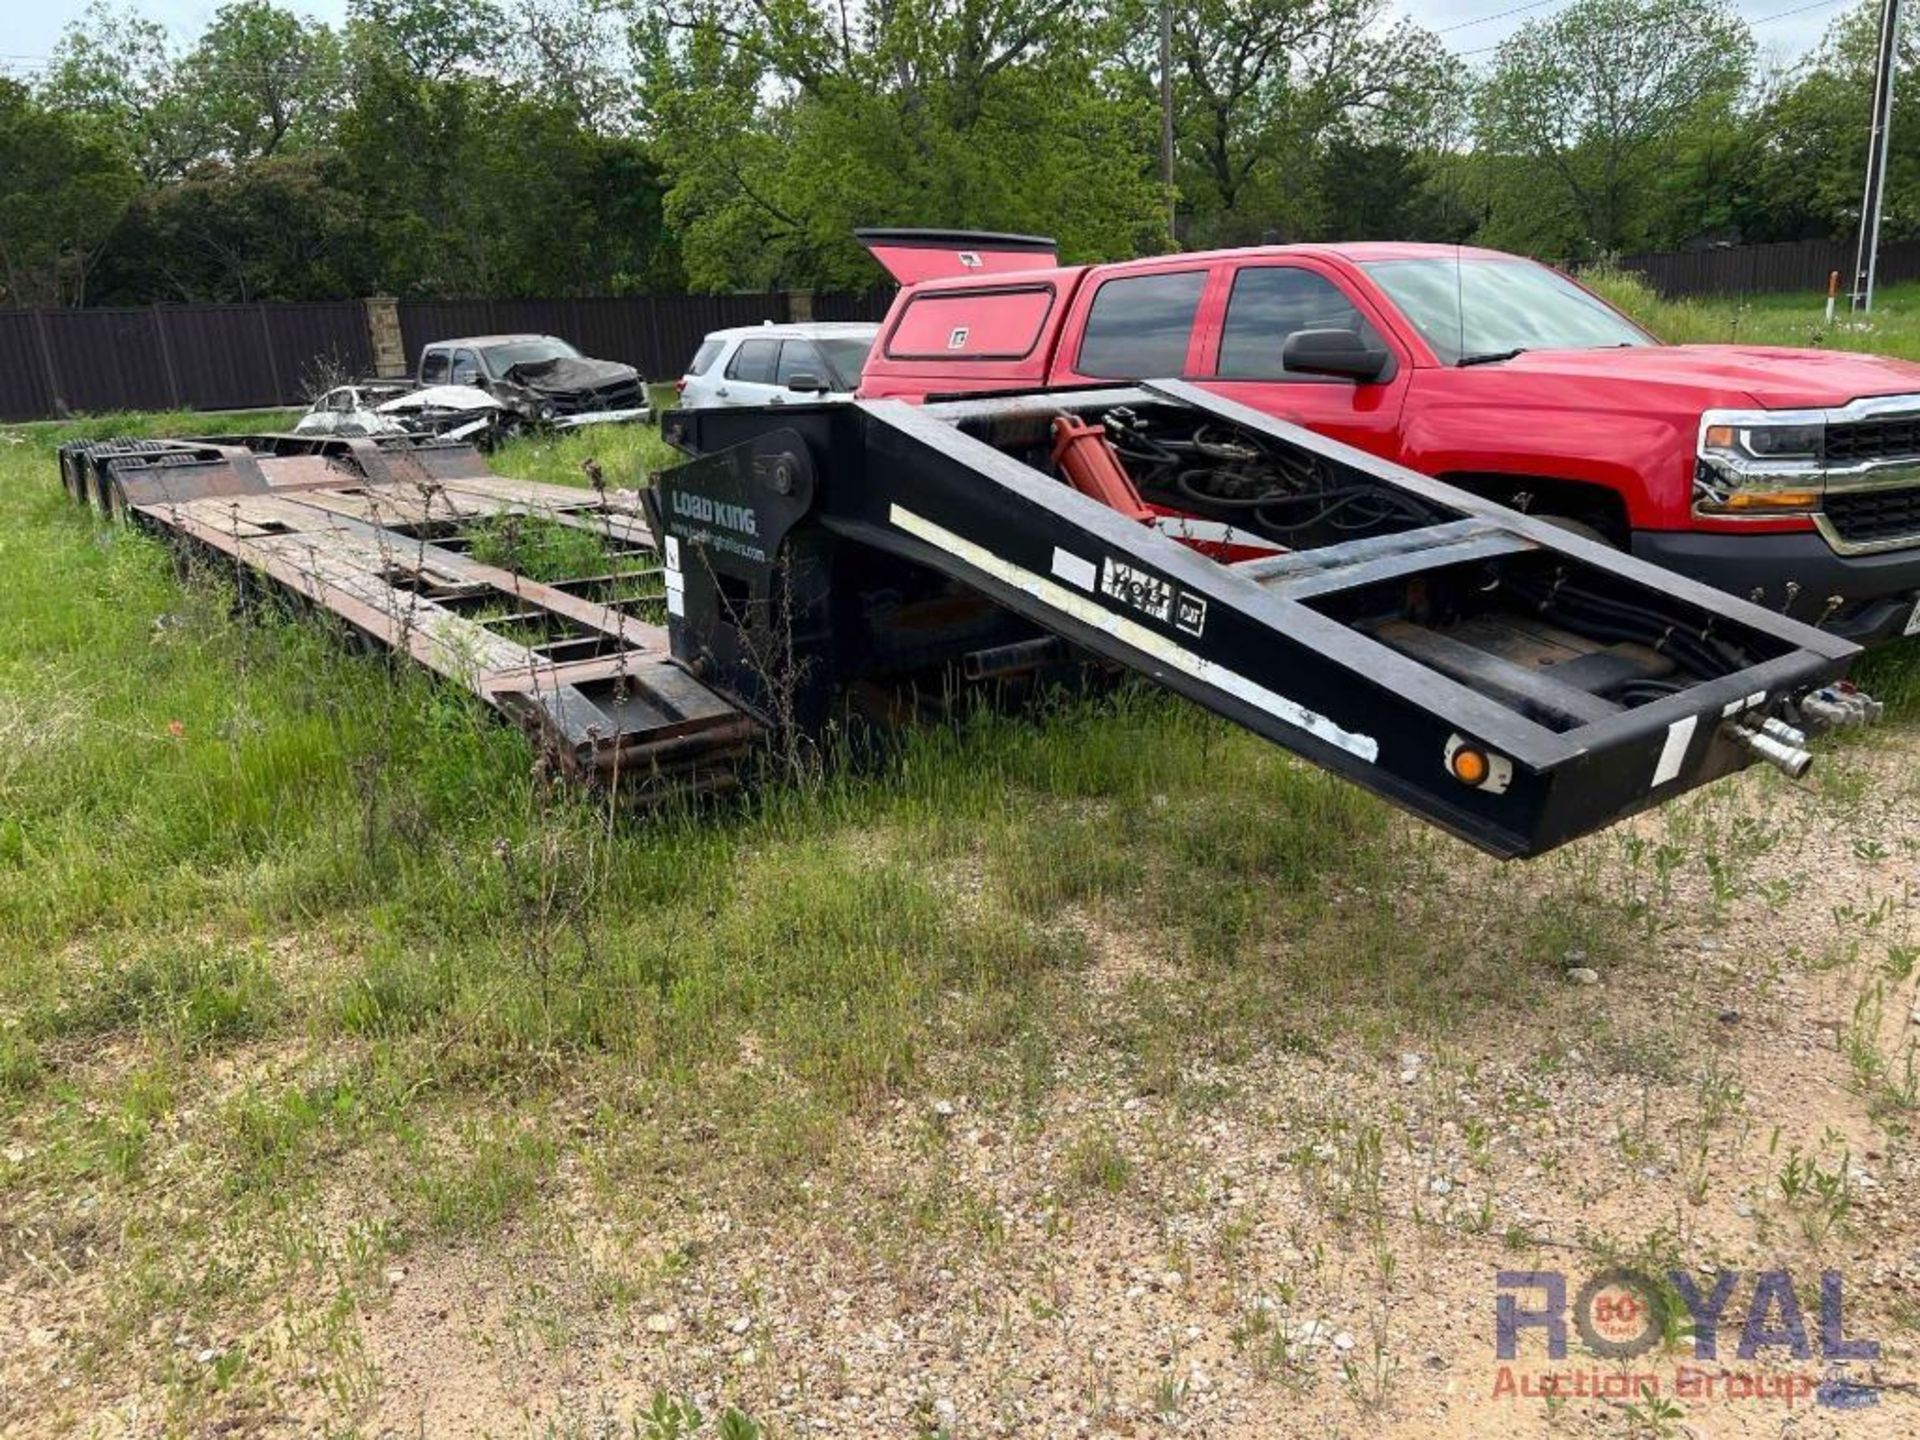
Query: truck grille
[
  {"x": 1856, "y": 442},
  {"x": 1861, "y": 517},
  {"x": 623, "y": 395}
]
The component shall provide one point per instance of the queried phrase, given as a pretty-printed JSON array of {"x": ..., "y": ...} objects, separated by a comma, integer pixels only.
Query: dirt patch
[{"x": 1301, "y": 1233}]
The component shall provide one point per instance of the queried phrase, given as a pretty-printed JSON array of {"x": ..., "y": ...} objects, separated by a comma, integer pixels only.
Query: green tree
[
  {"x": 262, "y": 80},
  {"x": 572, "y": 52},
  {"x": 1264, "y": 87},
  {"x": 783, "y": 124},
  {"x": 288, "y": 227},
  {"x": 122, "y": 74},
  {"x": 1808, "y": 141},
  {"x": 428, "y": 39},
  {"x": 476, "y": 184},
  {"x": 1384, "y": 190},
  {"x": 1583, "y": 110},
  {"x": 63, "y": 188}
]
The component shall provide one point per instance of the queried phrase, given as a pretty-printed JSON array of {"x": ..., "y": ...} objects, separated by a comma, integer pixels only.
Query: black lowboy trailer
[{"x": 1512, "y": 682}]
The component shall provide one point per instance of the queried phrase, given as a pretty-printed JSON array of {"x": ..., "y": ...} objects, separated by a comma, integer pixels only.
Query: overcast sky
[{"x": 32, "y": 26}]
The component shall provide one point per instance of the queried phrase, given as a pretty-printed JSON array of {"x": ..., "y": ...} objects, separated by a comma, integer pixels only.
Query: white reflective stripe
[
  {"x": 1674, "y": 753},
  {"x": 673, "y": 552},
  {"x": 1159, "y": 647},
  {"x": 1073, "y": 569}
]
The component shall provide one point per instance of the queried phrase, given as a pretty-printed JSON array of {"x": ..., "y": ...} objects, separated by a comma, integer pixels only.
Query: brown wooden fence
[
  {"x": 230, "y": 357},
  {"x": 1758, "y": 269}
]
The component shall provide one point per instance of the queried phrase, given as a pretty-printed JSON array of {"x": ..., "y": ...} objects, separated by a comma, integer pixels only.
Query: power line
[
  {"x": 1796, "y": 10},
  {"x": 1497, "y": 15},
  {"x": 1757, "y": 20}
]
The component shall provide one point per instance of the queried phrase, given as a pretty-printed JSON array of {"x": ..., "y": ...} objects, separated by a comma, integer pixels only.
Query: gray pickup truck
[{"x": 540, "y": 378}]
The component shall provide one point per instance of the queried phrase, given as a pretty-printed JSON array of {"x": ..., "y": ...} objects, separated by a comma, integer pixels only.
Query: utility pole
[
  {"x": 1866, "y": 262},
  {"x": 1166, "y": 115}
]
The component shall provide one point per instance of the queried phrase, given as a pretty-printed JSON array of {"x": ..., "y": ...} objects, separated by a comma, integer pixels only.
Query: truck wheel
[{"x": 1578, "y": 527}]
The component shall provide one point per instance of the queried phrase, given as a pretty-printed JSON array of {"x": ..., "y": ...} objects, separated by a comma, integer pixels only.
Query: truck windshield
[
  {"x": 502, "y": 358},
  {"x": 1474, "y": 309},
  {"x": 846, "y": 358}
]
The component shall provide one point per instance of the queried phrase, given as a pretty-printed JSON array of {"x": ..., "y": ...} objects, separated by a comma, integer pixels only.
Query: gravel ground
[
  {"x": 1301, "y": 1241},
  {"x": 1297, "y": 1236}
]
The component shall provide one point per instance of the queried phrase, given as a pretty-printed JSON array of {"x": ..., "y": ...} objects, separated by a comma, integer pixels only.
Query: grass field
[
  {"x": 1090, "y": 1071},
  {"x": 1893, "y": 328}
]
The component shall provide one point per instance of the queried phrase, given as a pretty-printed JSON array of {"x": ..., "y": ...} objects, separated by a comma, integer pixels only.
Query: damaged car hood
[
  {"x": 566, "y": 374},
  {"x": 441, "y": 397}
]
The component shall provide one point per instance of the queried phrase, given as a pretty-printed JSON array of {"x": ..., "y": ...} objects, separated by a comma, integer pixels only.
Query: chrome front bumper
[
  {"x": 603, "y": 417},
  {"x": 1872, "y": 475}
]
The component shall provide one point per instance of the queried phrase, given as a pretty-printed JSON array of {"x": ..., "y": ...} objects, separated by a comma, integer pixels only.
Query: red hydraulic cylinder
[{"x": 1086, "y": 458}]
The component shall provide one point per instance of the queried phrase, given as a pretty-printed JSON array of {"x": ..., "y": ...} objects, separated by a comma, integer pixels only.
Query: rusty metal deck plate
[{"x": 379, "y": 534}]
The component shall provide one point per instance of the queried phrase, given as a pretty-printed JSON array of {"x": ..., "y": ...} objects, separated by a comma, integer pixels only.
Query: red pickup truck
[{"x": 1791, "y": 477}]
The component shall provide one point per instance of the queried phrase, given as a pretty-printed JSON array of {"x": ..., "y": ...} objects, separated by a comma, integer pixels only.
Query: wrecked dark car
[{"x": 539, "y": 379}]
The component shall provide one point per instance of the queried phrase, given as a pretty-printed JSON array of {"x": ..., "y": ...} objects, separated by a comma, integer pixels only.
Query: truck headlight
[
  {"x": 1765, "y": 442},
  {"x": 1759, "y": 463}
]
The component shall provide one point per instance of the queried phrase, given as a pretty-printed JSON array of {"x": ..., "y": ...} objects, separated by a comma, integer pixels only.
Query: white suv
[{"x": 772, "y": 364}]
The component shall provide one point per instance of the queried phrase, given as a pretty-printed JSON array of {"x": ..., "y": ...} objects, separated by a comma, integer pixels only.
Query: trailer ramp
[
  {"x": 1502, "y": 678},
  {"x": 379, "y": 533}
]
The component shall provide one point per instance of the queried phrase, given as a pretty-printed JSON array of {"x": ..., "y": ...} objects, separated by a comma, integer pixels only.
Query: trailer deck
[
  {"x": 379, "y": 533},
  {"x": 812, "y": 565}
]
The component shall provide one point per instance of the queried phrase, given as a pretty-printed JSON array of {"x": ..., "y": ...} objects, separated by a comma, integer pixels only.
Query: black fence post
[
  {"x": 165, "y": 346},
  {"x": 46, "y": 359},
  {"x": 273, "y": 361}
]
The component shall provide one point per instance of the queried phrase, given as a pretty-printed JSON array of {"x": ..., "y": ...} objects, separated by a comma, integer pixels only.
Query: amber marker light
[
  {"x": 1773, "y": 499},
  {"x": 1469, "y": 765}
]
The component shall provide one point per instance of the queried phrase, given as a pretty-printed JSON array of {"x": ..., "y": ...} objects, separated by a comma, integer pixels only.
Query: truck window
[
  {"x": 433, "y": 368},
  {"x": 1139, "y": 326},
  {"x": 1270, "y": 303},
  {"x": 753, "y": 362},
  {"x": 708, "y": 352},
  {"x": 798, "y": 357},
  {"x": 502, "y": 358},
  {"x": 845, "y": 358},
  {"x": 466, "y": 367}
]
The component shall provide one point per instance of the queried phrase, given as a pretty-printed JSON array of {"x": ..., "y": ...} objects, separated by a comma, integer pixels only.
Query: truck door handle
[{"x": 722, "y": 390}]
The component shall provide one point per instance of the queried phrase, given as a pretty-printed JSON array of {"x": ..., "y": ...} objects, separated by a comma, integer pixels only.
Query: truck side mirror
[
  {"x": 1332, "y": 352},
  {"x": 805, "y": 382}
]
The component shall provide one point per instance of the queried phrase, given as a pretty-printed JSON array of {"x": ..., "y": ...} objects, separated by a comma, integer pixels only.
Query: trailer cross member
[
  {"x": 1510, "y": 682},
  {"x": 1503, "y": 678}
]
